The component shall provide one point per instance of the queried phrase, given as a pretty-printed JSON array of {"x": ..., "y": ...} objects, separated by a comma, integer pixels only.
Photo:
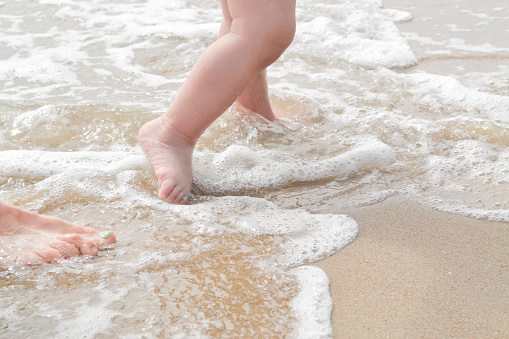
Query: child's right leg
[
  {"x": 255, "y": 97},
  {"x": 260, "y": 32}
]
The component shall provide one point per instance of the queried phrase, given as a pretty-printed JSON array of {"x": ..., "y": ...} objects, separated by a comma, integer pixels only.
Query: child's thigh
[{"x": 260, "y": 11}]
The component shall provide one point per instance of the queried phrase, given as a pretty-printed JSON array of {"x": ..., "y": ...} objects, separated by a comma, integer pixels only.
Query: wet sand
[{"x": 416, "y": 272}]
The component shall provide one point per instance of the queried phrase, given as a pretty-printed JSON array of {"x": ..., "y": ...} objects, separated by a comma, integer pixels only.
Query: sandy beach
[
  {"x": 415, "y": 272},
  {"x": 392, "y": 111}
]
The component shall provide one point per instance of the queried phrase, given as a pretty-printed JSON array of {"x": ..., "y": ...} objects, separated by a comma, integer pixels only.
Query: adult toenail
[{"x": 105, "y": 234}]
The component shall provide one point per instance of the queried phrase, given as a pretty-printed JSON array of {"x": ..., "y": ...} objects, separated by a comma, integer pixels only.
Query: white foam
[
  {"x": 396, "y": 15},
  {"x": 437, "y": 90},
  {"x": 38, "y": 67},
  {"x": 313, "y": 305},
  {"x": 308, "y": 237},
  {"x": 41, "y": 164},
  {"x": 453, "y": 45},
  {"x": 241, "y": 168},
  {"x": 47, "y": 114},
  {"x": 91, "y": 319},
  {"x": 361, "y": 33}
]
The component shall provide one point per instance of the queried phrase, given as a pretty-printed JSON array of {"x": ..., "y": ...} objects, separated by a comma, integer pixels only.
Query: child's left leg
[{"x": 255, "y": 97}]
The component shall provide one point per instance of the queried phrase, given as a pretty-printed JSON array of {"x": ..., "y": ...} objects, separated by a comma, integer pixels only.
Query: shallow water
[{"x": 374, "y": 109}]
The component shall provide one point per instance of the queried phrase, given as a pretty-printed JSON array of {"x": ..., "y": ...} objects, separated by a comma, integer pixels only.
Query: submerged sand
[{"x": 416, "y": 272}]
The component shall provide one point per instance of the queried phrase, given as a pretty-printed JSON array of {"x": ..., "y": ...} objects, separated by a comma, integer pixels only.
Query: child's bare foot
[
  {"x": 28, "y": 238},
  {"x": 276, "y": 115},
  {"x": 170, "y": 154},
  {"x": 267, "y": 113}
]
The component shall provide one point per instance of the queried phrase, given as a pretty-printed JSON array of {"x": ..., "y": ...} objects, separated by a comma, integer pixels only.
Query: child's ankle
[{"x": 175, "y": 134}]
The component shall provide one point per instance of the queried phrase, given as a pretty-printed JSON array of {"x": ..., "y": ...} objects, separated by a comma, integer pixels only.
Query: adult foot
[
  {"x": 28, "y": 238},
  {"x": 171, "y": 156}
]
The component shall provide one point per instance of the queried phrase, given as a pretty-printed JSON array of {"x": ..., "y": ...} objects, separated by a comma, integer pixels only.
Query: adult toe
[{"x": 84, "y": 245}]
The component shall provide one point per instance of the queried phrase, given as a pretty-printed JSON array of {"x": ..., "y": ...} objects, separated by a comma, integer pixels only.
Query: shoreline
[{"x": 413, "y": 271}]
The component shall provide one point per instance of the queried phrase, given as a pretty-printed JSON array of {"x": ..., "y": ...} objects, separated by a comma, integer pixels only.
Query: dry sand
[{"x": 415, "y": 272}]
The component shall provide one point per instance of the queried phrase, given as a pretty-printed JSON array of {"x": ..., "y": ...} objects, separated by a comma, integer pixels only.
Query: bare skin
[
  {"x": 27, "y": 238},
  {"x": 255, "y": 97},
  {"x": 253, "y": 34}
]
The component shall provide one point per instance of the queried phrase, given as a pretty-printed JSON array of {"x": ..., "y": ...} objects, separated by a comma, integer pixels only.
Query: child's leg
[
  {"x": 31, "y": 238},
  {"x": 260, "y": 32},
  {"x": 255, "y": 97}
]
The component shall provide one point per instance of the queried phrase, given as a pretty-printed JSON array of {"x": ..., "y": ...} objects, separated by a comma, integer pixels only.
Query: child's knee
[
  {"x": 267, "y": 30},
  {"x": 272, "y": 38},
  {"x": 281, "y": 35}
]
